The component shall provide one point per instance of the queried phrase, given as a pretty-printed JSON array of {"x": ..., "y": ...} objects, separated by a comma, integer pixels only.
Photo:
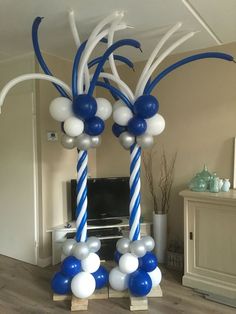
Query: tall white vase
[{"x": 160, "y": 236}]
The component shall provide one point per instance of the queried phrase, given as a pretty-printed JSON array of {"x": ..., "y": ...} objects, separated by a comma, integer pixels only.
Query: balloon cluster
[
  {"x": 137, "y": 268},
  {"x": 82, "y": 120},
  {"x": 81, "y": 272},
  {"x": 137, "y": 124}
]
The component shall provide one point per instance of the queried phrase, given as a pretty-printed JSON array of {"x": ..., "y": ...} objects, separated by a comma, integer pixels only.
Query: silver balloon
[
  {"x": 95, "y": 141},
  {"x": 68, "y": 246},
  {"x": 126, "y": 140},
  {"x": 67, "y": 141},
  {"x": 122, "y": 245},
  {"x": 81, "y": 250},
  {"x": 148, "y": 243},
  {"x": 138, "y": 248},
  {"x": 145, "y": 140},
  {"x": 93, "y": 244},
  {"x": 83, "y": 142}
]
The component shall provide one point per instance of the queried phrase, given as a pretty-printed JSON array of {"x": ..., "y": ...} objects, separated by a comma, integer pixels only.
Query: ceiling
[{"x": 150, "y": 18}]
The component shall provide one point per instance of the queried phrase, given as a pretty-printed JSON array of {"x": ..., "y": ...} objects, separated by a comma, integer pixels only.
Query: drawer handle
[{"x": 190, "y": 236}]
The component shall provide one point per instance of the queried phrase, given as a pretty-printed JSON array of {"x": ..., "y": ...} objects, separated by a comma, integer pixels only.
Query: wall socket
[{"x": 52, "y": 136}]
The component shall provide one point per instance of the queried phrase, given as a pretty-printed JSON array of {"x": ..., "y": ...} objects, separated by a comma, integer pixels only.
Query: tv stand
[
  {"x": 104, "y": 222},
  {"x": 104, "y": 232}
]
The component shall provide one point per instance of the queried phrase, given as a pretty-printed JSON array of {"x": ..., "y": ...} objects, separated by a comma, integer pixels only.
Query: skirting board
[
  {"x": 44, "y": 262},
  {"x": 210, "y": 286}
]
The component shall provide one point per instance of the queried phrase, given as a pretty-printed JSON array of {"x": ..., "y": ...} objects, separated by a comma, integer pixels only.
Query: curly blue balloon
[
  {"x": 75, "y": 68},
  {"x": 116, "y": 91},
  {"x": 116, "y": 57},
  {"x": 219, "y": 55},
  {"x": 39, "y": 56},
  {"x": 108, "y": 52}
]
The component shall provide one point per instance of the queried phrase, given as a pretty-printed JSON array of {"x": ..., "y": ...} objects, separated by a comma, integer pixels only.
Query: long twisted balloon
[
  {"x": 135, "y": 196},
  {"x": 217, "y": 55},
  {"x": 81, "y": 192}
]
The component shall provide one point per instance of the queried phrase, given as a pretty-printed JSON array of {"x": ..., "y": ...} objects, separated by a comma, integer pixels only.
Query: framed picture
[{"x": 234, "y": 181}]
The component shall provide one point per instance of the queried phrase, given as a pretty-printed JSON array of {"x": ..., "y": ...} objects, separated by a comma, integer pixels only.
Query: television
[{"x": 107, "y": 197}]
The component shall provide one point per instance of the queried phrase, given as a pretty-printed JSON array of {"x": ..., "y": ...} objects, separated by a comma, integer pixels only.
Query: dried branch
[{"x": 161, "y": 192}]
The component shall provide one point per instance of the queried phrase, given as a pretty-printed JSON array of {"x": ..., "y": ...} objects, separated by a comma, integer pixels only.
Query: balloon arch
[{"x": 136, "y": 122}]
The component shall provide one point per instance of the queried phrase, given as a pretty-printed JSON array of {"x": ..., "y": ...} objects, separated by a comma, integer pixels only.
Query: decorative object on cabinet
[
  {"x": 210, "y": 244},
  {"x": 225, "y": 186},
  {"x": 160, "y": 193},
  {"x": 205, "y": 181}
]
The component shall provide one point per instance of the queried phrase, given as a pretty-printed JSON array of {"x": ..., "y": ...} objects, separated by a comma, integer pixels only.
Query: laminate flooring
[{"x": 26, "y": 289}]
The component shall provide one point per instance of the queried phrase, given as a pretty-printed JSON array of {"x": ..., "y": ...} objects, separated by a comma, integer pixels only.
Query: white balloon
[
  {"x": 155, "y": 276},
  {"x": 155, "y": 125},
  {"x": 73, "y": 126},
  {"x": 104, "y": 108},
  {"x": 128, "y": 263},
  {"x": 118, "y": 280},
  {"x": 122, "y": 115},
  {"x": 61, "y": 108},
  {"x": 118, "y": 104},
  {"x": 91, "y": 263},
  {"x": 83, "y": 285}
]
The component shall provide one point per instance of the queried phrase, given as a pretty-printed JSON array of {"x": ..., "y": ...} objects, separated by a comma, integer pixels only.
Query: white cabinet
[{"x": 210, "y": 244}]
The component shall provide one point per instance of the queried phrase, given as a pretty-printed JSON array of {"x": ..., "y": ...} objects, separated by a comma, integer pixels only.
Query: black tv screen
[{"x": 107, "y": 197}]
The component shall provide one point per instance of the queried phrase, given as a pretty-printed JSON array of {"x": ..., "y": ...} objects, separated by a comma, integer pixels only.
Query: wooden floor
[{"x": 26, "y": 289}]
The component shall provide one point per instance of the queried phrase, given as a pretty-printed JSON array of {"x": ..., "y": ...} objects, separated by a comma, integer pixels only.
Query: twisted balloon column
[
  {"x": 135, "y": 196},
  {"x": 81, "y": 193}
]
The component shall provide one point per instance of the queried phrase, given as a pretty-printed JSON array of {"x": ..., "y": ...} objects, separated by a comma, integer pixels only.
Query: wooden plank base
[
  {"x": 117, "y": 294},
  {"x": 100, "y": 294},
  {"x": 78, "y": 304},
  {"x": 138, "y": 304},
  {"x": 156, "y": 292},
  {"x": 61, "y": 297},
  {"x": 82, "y": 304}
]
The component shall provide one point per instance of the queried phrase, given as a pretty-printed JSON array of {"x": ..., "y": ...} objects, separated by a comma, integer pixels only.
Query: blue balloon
[
  {"x": 70, "y": 266},
  {"x": 118, "y": 129},
  {"x": 84, "y": 106},
  {"x": 148, "y": 262},
  {"x": 140, "y": 283},
  {"x": 146, "y": 106},
  {"x": 117, "y": 256},
  {"x": 137, "y": 126},
  {"x": 61, "y": 284},
  {"x": 94, "y": 126},
  {"x": 101, "y": 277}
]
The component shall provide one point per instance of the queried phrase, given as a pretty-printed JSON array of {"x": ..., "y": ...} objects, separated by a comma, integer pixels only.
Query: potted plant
[{"x": 160, "y": 190}]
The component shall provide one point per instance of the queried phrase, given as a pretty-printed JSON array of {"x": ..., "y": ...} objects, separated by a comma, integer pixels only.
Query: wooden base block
[
  {"x": 138, "y": 304},
  {"x": 79, "y": 304},
  {"x": 156, "y": 292},
  {"x": 117, "y": 294},
  {"x": 61, "y": 297},
  {"x": 100, "y": 294}
]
